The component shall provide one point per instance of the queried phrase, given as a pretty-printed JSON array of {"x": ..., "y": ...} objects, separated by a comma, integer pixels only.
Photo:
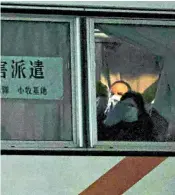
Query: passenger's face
[
  {"x": 129, "y": 102},
  {"x": 117, "y": 97},
  {"x": 119, "y": 89}
]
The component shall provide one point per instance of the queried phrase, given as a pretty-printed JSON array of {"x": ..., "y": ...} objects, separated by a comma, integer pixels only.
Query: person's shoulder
[
  {"x": 144, "y": 115},
  {"x": 146, "y": 119}
]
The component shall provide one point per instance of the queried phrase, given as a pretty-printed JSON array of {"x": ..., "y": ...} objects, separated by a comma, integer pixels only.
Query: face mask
[
  {"x": 121, "y": 112},
  {"x": 116, "y": 97},
  {"x": 131, "y": 114}
]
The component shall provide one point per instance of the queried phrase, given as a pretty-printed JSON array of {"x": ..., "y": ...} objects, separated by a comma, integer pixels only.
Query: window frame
[
  {"x": 76, "y": 95},
  {"x": 116, "y": 145}
]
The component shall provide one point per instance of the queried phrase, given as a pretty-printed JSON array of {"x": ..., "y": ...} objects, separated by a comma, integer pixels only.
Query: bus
[{"x": 87, "y": 98}]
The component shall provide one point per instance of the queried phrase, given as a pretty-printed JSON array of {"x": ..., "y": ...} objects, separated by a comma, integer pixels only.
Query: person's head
[
  {"x": 129, "y": 108},
  {"x": 134, "y": 99},
  {"x": 119, "y": 88},
  {"x": 101, "y": 89}
]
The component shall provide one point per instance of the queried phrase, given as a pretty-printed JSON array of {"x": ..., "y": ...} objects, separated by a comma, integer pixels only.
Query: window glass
[
  {"x": 135, "y": 86},
  {"x": 29, "y": 118}
]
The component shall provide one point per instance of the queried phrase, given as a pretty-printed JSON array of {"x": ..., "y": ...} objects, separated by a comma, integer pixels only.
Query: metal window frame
[
  {"x": 117, "y": 145},
  {"x": 75, "y": 58},
  {"x": 131, "y": 8}
]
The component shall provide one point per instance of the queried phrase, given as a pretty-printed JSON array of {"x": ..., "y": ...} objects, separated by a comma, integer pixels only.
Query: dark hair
[{"x": 138, "y": 99}]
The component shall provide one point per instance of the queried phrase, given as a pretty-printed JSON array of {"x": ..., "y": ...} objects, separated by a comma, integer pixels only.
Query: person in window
[
  {"x": 117, "y": 89},
  {"x": 101, "y": 100},
  {"x": 128, "y": 120},
  {"x": 101, "y": 104},
  {"x": 106, "y": 101}
]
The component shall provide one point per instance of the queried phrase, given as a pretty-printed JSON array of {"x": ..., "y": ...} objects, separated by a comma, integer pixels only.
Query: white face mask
[
  {"x": 123, "y": 111},
  {"x": 116, "y": 97}
]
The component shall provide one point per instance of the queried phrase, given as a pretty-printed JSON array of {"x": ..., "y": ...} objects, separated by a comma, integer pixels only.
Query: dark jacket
[{"x": 140, "y": 130}]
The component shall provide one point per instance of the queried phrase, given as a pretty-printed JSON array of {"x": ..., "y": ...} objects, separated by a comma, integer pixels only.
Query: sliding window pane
[
  {"x": 36, "y": 61},
  {"x": 135, "y": 87}
]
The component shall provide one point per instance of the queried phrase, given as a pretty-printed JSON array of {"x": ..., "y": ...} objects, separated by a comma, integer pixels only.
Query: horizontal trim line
[
  {"x": 89, "y": 9},
  {"x": 94, "y": 13},
  {"x": 85, "y": 7},
  {"x": 84, "y": 152}
]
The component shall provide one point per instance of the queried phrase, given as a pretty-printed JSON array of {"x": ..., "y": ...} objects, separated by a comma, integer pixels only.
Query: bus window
[
  {"x": 38, "y": 96},
  {"x": 134, "y": 81}
]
